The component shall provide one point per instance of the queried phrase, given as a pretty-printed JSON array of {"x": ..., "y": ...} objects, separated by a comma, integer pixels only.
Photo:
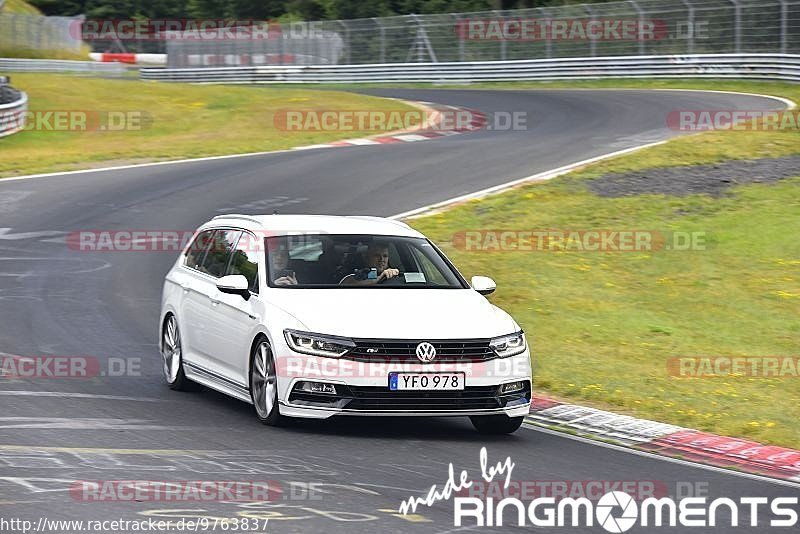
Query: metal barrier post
[
  {"x": 690, "y": 23},
  {"x": 548, "y": 42},
  {"x": 737, "y": 15},
  {"x": 640, "y": 14},
  {"x": 784, "y": 25},
  {"x": 461, "y": 33},
  {"x": 382, "y": 31},
  {"x": 347, "y": 41},
  {"x": 592, "y": 42},
  {"x": 503, "y": 43}
]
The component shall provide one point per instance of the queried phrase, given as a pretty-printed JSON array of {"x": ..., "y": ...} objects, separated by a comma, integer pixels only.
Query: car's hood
[{"x": 395, "y": 313}]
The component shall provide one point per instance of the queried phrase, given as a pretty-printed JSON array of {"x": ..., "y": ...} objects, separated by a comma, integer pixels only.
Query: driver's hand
[
  {"x": 388, "y": 273},
  {"x": 286, "y": 281}
]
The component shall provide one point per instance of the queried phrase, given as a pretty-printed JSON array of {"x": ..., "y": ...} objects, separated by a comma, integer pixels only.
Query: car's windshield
[{"x": 324, "y": 260}]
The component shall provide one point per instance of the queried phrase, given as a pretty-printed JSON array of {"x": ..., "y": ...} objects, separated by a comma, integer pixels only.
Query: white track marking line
[
  {"x": 418, "y": 105},
  {"x": 653, "y": 456},
  {"x": 145, "y": 165},
  {"x": 365, "y": 141},
  {"x": 6, "y": 235},
  {"x": 307, "y": 147},
  {"x": 548, "y": 175},
  {"x": 788, "y": 102},
  {"x": 80, "y": 423},
  {"x": 410, "y": 138},
  {"x": 539, "y": 177},
  {"x": 25, "y": 393}
]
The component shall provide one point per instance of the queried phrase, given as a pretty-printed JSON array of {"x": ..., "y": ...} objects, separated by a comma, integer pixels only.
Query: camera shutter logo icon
[{"x": 608, "y": 503}]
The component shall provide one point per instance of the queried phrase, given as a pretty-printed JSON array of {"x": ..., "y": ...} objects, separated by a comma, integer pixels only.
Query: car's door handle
[{"x": 214, "y": 303}]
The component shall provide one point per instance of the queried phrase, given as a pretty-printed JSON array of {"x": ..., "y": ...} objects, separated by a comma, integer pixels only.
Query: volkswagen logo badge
[{"x": 426, "y": 352}]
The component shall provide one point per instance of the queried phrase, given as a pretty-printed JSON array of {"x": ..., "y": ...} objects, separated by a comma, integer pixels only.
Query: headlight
[
  {"x": 510, "y": 345},
  {"x": 317, "y": 345}
]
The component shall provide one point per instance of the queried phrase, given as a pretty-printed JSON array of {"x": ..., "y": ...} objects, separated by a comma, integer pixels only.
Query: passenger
[{"x": 279, "y": 267}]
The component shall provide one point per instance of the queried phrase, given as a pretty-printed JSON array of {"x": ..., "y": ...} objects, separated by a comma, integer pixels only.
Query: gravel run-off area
[{"x": 696, "y": 179}]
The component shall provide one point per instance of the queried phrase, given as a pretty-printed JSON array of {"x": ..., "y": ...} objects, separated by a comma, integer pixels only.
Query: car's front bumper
[
  {"x": 363, "y": 389},
  {"x": 323, "y": 413}
]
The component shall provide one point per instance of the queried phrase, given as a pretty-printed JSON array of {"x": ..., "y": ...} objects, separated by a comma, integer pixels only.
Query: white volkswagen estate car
[{"x": 321, "y": 316}]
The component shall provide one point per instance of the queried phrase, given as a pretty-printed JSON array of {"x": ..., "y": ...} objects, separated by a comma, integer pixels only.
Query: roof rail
[
  {"x": 396, "y": 222},
  {"x": 251, "y": 218}
]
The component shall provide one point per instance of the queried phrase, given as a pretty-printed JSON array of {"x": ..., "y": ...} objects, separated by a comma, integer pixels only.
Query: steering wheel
[
  {"x": 351, "y": 275},
  {"x": 395, "y": 281}
]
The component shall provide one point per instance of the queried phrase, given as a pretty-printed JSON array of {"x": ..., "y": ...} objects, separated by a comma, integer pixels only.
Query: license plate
[{"x": 426, "y": 381}]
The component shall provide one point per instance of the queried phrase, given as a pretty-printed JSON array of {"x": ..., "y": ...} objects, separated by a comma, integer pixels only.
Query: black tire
[
  {"x": 262, "y": 374},
  {"x": 496, "y": 424},
  {"x": 172, "y": 356}
]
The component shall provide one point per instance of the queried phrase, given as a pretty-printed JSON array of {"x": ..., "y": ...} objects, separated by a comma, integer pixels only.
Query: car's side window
[
  {"x": 216, "y": 260},
  {"x": 197, "y": 251},
  {"x": 244, "y": 260}
]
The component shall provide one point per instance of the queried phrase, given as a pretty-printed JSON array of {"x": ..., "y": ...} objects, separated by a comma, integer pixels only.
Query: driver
[{"x": 377, "y": 257}]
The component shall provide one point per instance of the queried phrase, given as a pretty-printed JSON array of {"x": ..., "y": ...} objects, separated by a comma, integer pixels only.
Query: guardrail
[
  {"x": 754, "y": 66},
  {"x": 13, "y": 108},
  {"x": 59, "y": 65}
]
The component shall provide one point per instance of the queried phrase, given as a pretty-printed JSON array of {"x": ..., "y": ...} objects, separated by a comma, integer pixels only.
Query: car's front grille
[
  {"x": 383, "y": 399},
  {"x": 400, "y": 351}
]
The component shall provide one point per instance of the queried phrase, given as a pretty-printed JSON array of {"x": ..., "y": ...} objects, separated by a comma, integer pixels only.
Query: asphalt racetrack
[{"x": 58, "y": 301}]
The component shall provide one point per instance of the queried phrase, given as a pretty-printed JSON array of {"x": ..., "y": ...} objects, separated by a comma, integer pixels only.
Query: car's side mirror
[
  {"x": 234, "y": 284},
  {"x": 483, "y": 285}
]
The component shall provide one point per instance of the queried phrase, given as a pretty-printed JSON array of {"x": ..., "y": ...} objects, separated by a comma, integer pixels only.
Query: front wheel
[
  {"x": 172, "y": 354},
  {"x": 496, "y": 424},
  {"x": 264, "y": 385}
]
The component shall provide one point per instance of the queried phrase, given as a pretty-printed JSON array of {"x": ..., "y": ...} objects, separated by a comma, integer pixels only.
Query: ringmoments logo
[
  {"x": 618, "y": 511},
  {"x": 615, "y": 511}
]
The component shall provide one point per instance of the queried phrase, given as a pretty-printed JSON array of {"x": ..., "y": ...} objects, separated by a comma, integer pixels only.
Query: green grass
[
  {"x": 30, "y": 53},
  {"x": 187, "y": 121},
  {"x": 603, "y": 325},
  {"x": 20, "y": 6}
]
